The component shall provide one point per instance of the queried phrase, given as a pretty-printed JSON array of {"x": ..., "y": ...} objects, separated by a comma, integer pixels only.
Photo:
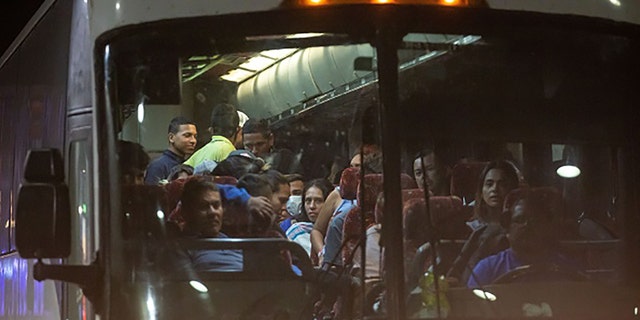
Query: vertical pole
[{"x": 387, "y": 40}]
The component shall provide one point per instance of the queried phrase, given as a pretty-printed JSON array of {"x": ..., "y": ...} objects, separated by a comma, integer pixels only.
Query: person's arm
[
  {"x": 320, "y": 226},
  {"x": 260, "y": 207},
  {"x": 233, "y": 193}
]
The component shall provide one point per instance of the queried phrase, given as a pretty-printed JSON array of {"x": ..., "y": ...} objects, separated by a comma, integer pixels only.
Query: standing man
[
  {"x": 182, "y": 135},
  {"x": 224, "y": 127},
  {"x": 258, "y": 138}
]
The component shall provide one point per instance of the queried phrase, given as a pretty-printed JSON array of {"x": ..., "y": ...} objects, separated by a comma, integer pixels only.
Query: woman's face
[
  {"x": 495, "y": 187},
  {"x": 313, "y": 202}
]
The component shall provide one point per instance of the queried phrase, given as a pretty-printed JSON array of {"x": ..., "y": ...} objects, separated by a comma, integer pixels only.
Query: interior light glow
[
  {"x": 199, "y": 286},
  {"x": 450, "y": 2},
  {"x": 160, "y": 214},
  {"x": 140, "y": 112},
  {"x": 151, "y": 307},
  {"x": 568, "y": 171},
  {"x": 485, "y": 295},
  {"x": 117, "y": 5},
  {"x": 615, "y": 2},
  {"x": 277, "y": 54},
  {"x": 257, "y": 63},
  {"x": 80, "y": 211},
  {"x": 237, "y": 75},
  {"x": 635, "y": 311},
  {"x": 304, "y": 35}
]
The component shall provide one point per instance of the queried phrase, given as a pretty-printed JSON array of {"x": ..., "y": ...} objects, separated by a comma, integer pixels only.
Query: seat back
[
  {"x": 464, "y": 180},
  {"x": 349, "y": 181}
]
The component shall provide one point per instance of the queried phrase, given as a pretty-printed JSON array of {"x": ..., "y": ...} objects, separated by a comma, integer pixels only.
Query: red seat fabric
[
  {"x": 407, "y": 182},
  {"x": 349, "y": 183},
  {"x": 408, "y": 194}
]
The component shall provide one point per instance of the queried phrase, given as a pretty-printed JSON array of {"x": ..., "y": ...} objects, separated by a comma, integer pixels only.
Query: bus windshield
[{"x": 352, "y": 173}]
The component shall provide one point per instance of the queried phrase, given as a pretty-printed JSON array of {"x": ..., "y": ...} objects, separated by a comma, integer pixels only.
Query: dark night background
[{"x": 14, "y": 15}]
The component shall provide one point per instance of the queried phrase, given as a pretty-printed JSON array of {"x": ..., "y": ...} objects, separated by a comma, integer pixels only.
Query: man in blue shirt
[
  {"x": 532, "y": 216},
  {"x": 202, "y": 211},
  {"x": 182, "y": 136}
]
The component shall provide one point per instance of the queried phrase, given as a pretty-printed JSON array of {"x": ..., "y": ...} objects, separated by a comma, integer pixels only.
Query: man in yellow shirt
[{"x": 224, "y": 127}]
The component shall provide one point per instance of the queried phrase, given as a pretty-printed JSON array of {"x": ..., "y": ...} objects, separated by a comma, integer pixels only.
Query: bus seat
[
  {"x": 367, "y": 196},
  {"x": 408, "y": 194},
  {"x": 349, "y": 183},
  {"x": 448, "y": 216},
  {"x": 464, "y": 180},
  {"x": 407, "y": 182}
]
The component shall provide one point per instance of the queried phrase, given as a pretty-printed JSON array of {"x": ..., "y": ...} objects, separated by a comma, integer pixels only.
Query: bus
[{"x": 540, "y": 85}]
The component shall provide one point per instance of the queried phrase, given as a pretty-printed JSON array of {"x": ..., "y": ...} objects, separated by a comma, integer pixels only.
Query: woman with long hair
[
  {"x": 314, "y": 194},
  {"x": 496, "y": 180}
]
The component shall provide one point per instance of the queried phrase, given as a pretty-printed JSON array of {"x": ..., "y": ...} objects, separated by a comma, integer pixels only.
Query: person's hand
[{"x": 261, "y": 212}]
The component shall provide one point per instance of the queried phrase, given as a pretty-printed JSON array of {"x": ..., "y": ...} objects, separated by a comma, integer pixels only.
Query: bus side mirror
[{"x": 43, "y": 215}]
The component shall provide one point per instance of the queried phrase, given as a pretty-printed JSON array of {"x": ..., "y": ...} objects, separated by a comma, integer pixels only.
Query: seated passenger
[
  {"x": 203, "y": 212},
  {"x": 247, "y": 226},
  {"x": 313, "y": 199},
  {"x": 533, "y": 219},
  {"x": 338, "y": 205},
  {"x": 430, "y": 170},
  {"x": 281, "y": 191},
  {"x": 497, "y": 179},
  {"x": 294, "y": 202}
]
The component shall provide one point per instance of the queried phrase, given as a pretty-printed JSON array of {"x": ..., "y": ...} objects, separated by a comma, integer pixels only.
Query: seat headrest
[
  {"x": 464, "y": 179},
  {"x": 349, "y": 183}
]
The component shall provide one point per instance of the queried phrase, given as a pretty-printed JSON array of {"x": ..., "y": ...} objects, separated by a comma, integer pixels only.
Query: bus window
[{"x": 455, "y": 140}]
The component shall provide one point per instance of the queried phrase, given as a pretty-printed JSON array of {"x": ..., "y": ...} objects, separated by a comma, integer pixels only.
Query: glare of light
[
  {"x": 277, "y": 54},
  {"x": 117, "y": 5},
  {"x": 237, "y": 75},
  {"x": 484, "y": 295},
  {"x": 80, "y": 210},
  {"x": 151, "y": 307},
  {"x": 382, "y": 1},
  {"x": 160, "y": 214},
  {"x": 315, "y": 2},
  {"x": 450, "y": 2},
  {"x": 568, "y": 171},
  {"x": 615, "y": 2},
  {"x": 257, "y": 63},
  {"x": 140, "y": 112},
  {"x": 198, "y": 286},
  {"x": 303, "y": 35},
  {"x": 635, "y": 311},
  {"x": 7, "y": 224}
]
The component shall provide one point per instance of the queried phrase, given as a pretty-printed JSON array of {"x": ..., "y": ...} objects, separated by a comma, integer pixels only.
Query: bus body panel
[{"x": 113, "y": 14}]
